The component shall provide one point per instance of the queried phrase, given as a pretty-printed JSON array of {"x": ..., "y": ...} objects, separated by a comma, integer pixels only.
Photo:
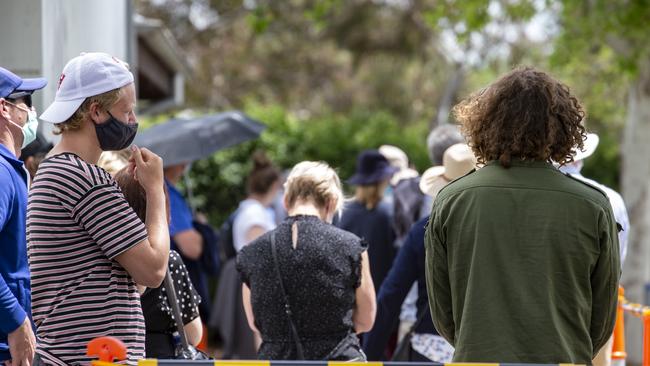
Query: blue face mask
[{"x": 30, "y": 127}]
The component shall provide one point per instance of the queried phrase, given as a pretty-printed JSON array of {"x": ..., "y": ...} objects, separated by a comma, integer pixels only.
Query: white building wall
[
  {"x": 38, "y": 37},
  {"x": 70, "y": 27},
  {"x": 20, "y": 39}
]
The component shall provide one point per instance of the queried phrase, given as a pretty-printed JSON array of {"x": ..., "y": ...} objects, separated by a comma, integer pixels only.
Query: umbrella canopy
[{"x": 186, "y": 140}]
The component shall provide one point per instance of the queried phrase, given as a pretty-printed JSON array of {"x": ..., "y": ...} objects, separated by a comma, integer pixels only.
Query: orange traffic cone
[{"x": 618, "y": 350}]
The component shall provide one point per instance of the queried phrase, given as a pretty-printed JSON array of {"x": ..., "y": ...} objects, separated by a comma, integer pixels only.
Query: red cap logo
[{"x": 60, "y": 81}]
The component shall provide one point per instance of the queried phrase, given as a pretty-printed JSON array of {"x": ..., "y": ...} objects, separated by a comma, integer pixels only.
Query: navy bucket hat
[{"x": 372, "y": 168}]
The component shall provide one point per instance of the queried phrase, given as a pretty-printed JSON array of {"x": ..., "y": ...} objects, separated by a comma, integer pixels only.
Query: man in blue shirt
[
  {"x": 186, "y": 239},
  {"x": 18, "y": 126}
]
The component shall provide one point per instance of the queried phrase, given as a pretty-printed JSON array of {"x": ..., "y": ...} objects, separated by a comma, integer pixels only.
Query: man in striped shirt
[{"x": 87, "y": 248}]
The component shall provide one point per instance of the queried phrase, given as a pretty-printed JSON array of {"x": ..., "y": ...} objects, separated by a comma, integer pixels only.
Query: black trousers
[{"x": 416, "y": 356}]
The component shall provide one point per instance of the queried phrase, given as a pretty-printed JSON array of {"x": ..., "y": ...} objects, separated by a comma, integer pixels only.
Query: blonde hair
[
  {"x": 105, "y": 101},
  {"x": 370, "y": 195},
  {"x": 313, "y": 181},
  {"x": 114, "y": 161}
]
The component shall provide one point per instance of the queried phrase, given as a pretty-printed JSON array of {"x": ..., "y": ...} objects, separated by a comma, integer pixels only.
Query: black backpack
[
  {"x": 408, "y": 200},
  {"x": 226, "y": 240},
  {"x": 210, "y": 258}
]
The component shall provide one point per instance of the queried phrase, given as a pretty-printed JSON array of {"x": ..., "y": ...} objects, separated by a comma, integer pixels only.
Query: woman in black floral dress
[
  {"x": 159, "y": 319},
  {"x": 324, "y": 270}
]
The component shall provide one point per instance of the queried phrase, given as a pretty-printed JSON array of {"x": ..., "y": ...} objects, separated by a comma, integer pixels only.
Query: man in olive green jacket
[{"x": 522, "y": 260}]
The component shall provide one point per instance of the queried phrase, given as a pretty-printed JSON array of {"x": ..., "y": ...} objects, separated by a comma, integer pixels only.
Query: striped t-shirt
[{"x": 77, "y": 223}]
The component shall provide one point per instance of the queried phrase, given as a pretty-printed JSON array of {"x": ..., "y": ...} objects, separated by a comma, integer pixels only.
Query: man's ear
[
  {"x": 95, "y": 113},
  {"x": 4, "y": 112}
]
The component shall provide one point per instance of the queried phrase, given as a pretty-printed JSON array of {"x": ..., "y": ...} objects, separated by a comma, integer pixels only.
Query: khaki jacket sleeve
[
  {"x": 604, "y": 282},
  {"x": 437, "y": 276}
]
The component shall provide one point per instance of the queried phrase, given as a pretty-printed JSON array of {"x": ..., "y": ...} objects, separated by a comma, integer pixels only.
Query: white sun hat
[
  {"x": 84, "y": 76},
  {"x": 590, "y": 145},
  {"x": 398, "y": 159},
  {"x": 457, "y": 161}
]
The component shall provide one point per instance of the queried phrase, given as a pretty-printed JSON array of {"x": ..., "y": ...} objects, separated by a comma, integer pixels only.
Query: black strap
[
  {"x": 168, "y": 282},
  {"x": 287, "y": 307},
  {"x": 406, "y": 340}
]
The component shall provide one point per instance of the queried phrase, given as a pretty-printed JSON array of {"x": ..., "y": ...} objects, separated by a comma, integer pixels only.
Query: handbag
[
  {"x": 184, "y": 350},
  {"x": 348, "y": 349},
  {"x": 402, "y": 351}
]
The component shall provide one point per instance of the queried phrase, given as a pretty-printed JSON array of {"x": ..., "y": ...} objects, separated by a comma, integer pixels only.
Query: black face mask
[{"x": 115, "y": 135}]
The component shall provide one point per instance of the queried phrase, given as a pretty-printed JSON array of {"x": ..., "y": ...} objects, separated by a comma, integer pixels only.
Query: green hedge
[{"x": 219, "y": 181}]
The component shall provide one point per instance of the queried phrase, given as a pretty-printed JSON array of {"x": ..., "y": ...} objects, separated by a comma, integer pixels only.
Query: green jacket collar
[{"x": 524, "y": 163}]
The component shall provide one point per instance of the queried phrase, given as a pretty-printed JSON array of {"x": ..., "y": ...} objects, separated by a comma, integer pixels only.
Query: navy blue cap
[
  {"x": 372, "y": 168},
  {"x": 15, "y": 86}
]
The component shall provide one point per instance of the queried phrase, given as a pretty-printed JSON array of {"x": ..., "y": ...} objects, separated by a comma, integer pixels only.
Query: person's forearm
[
  {"x": 363, "y": 318},
  {"x": 194, "y": 331},
  {"x": 12, "y": 314},
  {"x": 365, "y": 310},
  {"x": 157, "y": 227}
]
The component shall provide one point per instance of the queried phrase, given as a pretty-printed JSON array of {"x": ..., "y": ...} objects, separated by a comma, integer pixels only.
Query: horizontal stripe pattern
[
  {"x": 154, "y": 362},
  {"x": 78, "y": 222}
]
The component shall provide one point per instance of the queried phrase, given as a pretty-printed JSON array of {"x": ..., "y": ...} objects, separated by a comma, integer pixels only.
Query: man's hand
[
  {"x": 22, "y": 345},
  {"x": 147, "y": 168}
]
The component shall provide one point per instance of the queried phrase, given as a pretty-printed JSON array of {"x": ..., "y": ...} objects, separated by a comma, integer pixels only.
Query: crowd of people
[{"x": 500, "y": 252}]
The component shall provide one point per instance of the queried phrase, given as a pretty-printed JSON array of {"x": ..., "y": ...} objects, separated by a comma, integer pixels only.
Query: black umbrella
[{"x": 187, "y": 140}]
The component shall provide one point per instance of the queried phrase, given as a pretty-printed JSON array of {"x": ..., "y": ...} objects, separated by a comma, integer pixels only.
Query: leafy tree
[{"x": 618, "y": 32}]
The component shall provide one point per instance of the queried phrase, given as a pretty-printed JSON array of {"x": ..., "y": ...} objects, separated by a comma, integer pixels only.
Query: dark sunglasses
[{"x": 27, "y": 99}]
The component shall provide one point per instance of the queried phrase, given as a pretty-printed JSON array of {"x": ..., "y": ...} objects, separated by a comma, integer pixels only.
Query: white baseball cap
[{"x": 84, "y": 76}]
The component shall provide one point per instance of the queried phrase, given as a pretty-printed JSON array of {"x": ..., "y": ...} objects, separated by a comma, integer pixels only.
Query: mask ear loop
[
  {"x": 19, "y": 107},
  {"x": 22, "y": 109}
]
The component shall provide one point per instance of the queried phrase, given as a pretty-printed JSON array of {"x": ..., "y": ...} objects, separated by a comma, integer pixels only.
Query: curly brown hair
[{"x": 526, "y": 115}]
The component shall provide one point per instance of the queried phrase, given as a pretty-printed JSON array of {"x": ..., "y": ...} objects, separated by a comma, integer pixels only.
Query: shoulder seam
[
  {"x": 588, "y": 184},
  {"x": 457, "y": 179},
  {"x": 537, "y": 189}
]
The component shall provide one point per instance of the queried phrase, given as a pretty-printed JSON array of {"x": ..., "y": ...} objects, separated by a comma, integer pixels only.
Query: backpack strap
[{"x": 406, "y": 340}]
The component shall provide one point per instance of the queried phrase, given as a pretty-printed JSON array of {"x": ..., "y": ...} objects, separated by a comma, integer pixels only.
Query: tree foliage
[
  {"x": 332, "y": 77},
  {"x": 333, "y": 138},
  {"x": 620, "y": 26},
  {"x": 308, "y": 55},
  {"x": 601, "y": 47}
]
